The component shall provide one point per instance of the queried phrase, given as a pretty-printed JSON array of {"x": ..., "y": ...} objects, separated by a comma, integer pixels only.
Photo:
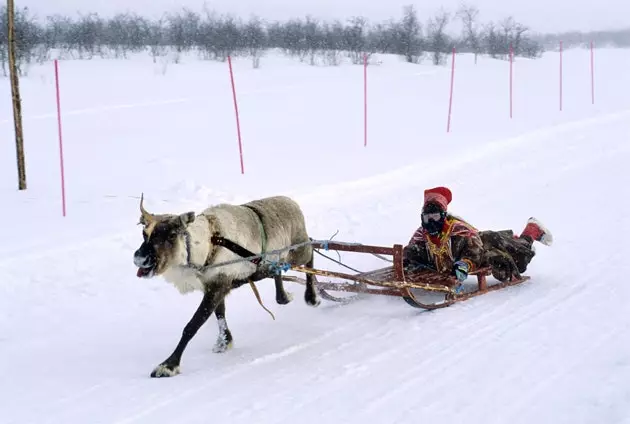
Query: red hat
[{"x": 440, "y": 195}]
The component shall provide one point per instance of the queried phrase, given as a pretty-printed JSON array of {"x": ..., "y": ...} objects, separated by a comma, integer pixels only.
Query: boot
[{"x": 536, "y": 231}]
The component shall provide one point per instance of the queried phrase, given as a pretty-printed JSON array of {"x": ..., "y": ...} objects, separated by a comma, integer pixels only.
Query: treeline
[
  {"x": 613, "y": 38},
  {"x": 214, "y": 37}
]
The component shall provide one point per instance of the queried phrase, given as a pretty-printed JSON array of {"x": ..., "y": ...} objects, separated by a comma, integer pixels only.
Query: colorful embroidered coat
[{"x": 457, "y": 241}]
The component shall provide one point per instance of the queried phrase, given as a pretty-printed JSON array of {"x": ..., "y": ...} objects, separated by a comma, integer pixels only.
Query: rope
[
  {"x": 255, "y": 289},
  {"x": 337, "y": 262},
  {"x": 276, "y": 266},
  {"x": 382, "y": 257},
  {"x": 269, "y": 253}
]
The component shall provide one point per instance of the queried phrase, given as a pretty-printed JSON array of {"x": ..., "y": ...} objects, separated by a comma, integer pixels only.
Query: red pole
[
  {"x": 561, "y": 76},
  {"x": 450, "y": 101},
  {"x": 238, "y": 124},
  {"x": 592, "y": 75},
  {"x": 364, "y": 99},
  {"x": 63, "y": 178},
  {"x": 511, "y": 77}
]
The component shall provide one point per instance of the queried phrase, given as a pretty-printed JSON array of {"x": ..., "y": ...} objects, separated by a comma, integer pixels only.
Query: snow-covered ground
[{"x": 80, "y": 333}]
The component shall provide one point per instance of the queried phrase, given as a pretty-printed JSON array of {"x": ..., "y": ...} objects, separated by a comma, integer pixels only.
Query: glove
[{"x": 460, "y": 269}]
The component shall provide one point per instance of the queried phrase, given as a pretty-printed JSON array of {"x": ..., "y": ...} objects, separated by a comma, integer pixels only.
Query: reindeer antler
[{"x": 146, "y": 217}]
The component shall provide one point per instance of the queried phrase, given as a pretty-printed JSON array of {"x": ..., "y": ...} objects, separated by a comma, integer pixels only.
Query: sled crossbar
[{"x": 352, "y": 247}]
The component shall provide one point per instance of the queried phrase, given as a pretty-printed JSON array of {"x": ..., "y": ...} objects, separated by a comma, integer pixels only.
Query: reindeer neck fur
[
  {"x": 194, "y": 252},
  {"x": 197, "y": 242},
  {"x": 239, "y": 224}
]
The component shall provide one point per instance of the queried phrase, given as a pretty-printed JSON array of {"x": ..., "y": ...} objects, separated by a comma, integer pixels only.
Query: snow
[{"x": 80, "y": 333}]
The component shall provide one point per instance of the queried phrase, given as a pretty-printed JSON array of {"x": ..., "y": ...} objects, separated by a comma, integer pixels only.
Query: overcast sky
[{"x": 540, "y": 15}]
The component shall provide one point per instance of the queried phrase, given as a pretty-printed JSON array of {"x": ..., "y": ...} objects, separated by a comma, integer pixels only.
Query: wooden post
[
  {"x": 399, "y": 272},
  {"x": 482, "y": 282},
  {"x": 15, "y": 91}
]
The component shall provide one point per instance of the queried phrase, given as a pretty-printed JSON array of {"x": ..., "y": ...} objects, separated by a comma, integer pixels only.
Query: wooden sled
[{"x": 395, "y": 281}]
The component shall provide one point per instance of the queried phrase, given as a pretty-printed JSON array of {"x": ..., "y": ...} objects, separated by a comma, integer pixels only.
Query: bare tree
[
  {"x": 495, "y": 44},
  {"x": 156, "y": 39},
  {"x": 437, "y": 40},
  {"x": 228, "y": 37},
  {"x": 382, "y": 38},
  {"x": 513, "y": 33},
  {"x": 291, "y": 37},
  {"x": 181, "y": 31},
  {"x": 254, "y": 40},
  {"x": 409, "y": 35},
  {"x": 27, "y": 35},
  {"x": 355, "y": 40},
  {"x": 333, "y": 41},
  {"x": 86, "y": 35},
  {"x": 313, "y": 37},
  {"x": 57, "y": 32},
  {"x": 471, "y": 34}
]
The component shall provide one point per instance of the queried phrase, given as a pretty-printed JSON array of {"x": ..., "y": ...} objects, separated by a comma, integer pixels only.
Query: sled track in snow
[
  {"x": 96, "y": 110},
  {"x": 405, "y": 176}
]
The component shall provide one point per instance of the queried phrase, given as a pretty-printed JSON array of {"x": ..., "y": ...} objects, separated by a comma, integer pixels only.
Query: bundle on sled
[{"x": 440, "y": 257}]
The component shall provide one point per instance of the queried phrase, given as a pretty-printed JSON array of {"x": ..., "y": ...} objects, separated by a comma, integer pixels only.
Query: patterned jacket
[{"x": 457, "y": 241}]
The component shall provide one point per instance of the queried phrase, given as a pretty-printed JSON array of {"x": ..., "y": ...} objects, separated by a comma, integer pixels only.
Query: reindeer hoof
[
  {"x": 165, "y": 370},
  {"x": 221, "y": 346},
  {"x": 284, "y": 300},
  {"x": 312, "y": 299}
]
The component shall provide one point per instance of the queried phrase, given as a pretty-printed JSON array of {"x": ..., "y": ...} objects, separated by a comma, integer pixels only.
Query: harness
[
  {"x": 275, "y": 267},
  {"x": 263, "y": 233},
  {"x": 218, "y": 240}
]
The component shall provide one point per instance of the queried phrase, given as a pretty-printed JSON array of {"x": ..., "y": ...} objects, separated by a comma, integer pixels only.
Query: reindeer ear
[{"x": 187, "y": 218}]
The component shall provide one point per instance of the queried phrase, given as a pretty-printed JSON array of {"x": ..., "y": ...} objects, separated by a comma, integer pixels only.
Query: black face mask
[{"x": 433, "y": 218}]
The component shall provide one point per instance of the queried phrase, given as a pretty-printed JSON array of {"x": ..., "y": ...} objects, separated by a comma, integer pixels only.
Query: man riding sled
[{"x": 449, "y": 245}]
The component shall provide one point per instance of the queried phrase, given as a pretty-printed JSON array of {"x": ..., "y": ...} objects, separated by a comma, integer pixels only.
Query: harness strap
[
  {"x": 216, "y": 239},
  {"x": 263, "y": 233},
  {"x": 189, "y": 248},
  {"x": 236, "y": 248}
]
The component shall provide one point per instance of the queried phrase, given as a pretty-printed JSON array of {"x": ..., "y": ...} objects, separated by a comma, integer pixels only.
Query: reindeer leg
[
  {"x": 224, "y": 341},
  {"x": 213, "y": 296},
  {"x": 310, "y": 294},
  {"x": 282, "y": 297}
]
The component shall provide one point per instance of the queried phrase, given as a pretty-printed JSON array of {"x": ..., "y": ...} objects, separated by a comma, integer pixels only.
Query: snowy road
[{"x": 80, "y": 333}]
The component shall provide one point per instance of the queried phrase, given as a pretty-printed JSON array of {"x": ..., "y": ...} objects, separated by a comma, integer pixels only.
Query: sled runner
[{"x": 411, "y": 285}]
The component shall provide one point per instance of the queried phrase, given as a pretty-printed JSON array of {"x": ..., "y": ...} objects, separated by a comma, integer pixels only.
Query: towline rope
[{"x": 264, "y": 255}]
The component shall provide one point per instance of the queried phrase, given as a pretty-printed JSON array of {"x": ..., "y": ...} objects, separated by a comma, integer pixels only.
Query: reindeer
[{"x": 185, "y": 250}]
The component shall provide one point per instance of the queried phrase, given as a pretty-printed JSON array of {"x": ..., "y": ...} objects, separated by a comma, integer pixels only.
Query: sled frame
[{"x": 394, "y": 280}]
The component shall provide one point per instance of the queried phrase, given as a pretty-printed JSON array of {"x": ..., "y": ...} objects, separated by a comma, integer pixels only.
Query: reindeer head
[{"x": 164, "y": 242}]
